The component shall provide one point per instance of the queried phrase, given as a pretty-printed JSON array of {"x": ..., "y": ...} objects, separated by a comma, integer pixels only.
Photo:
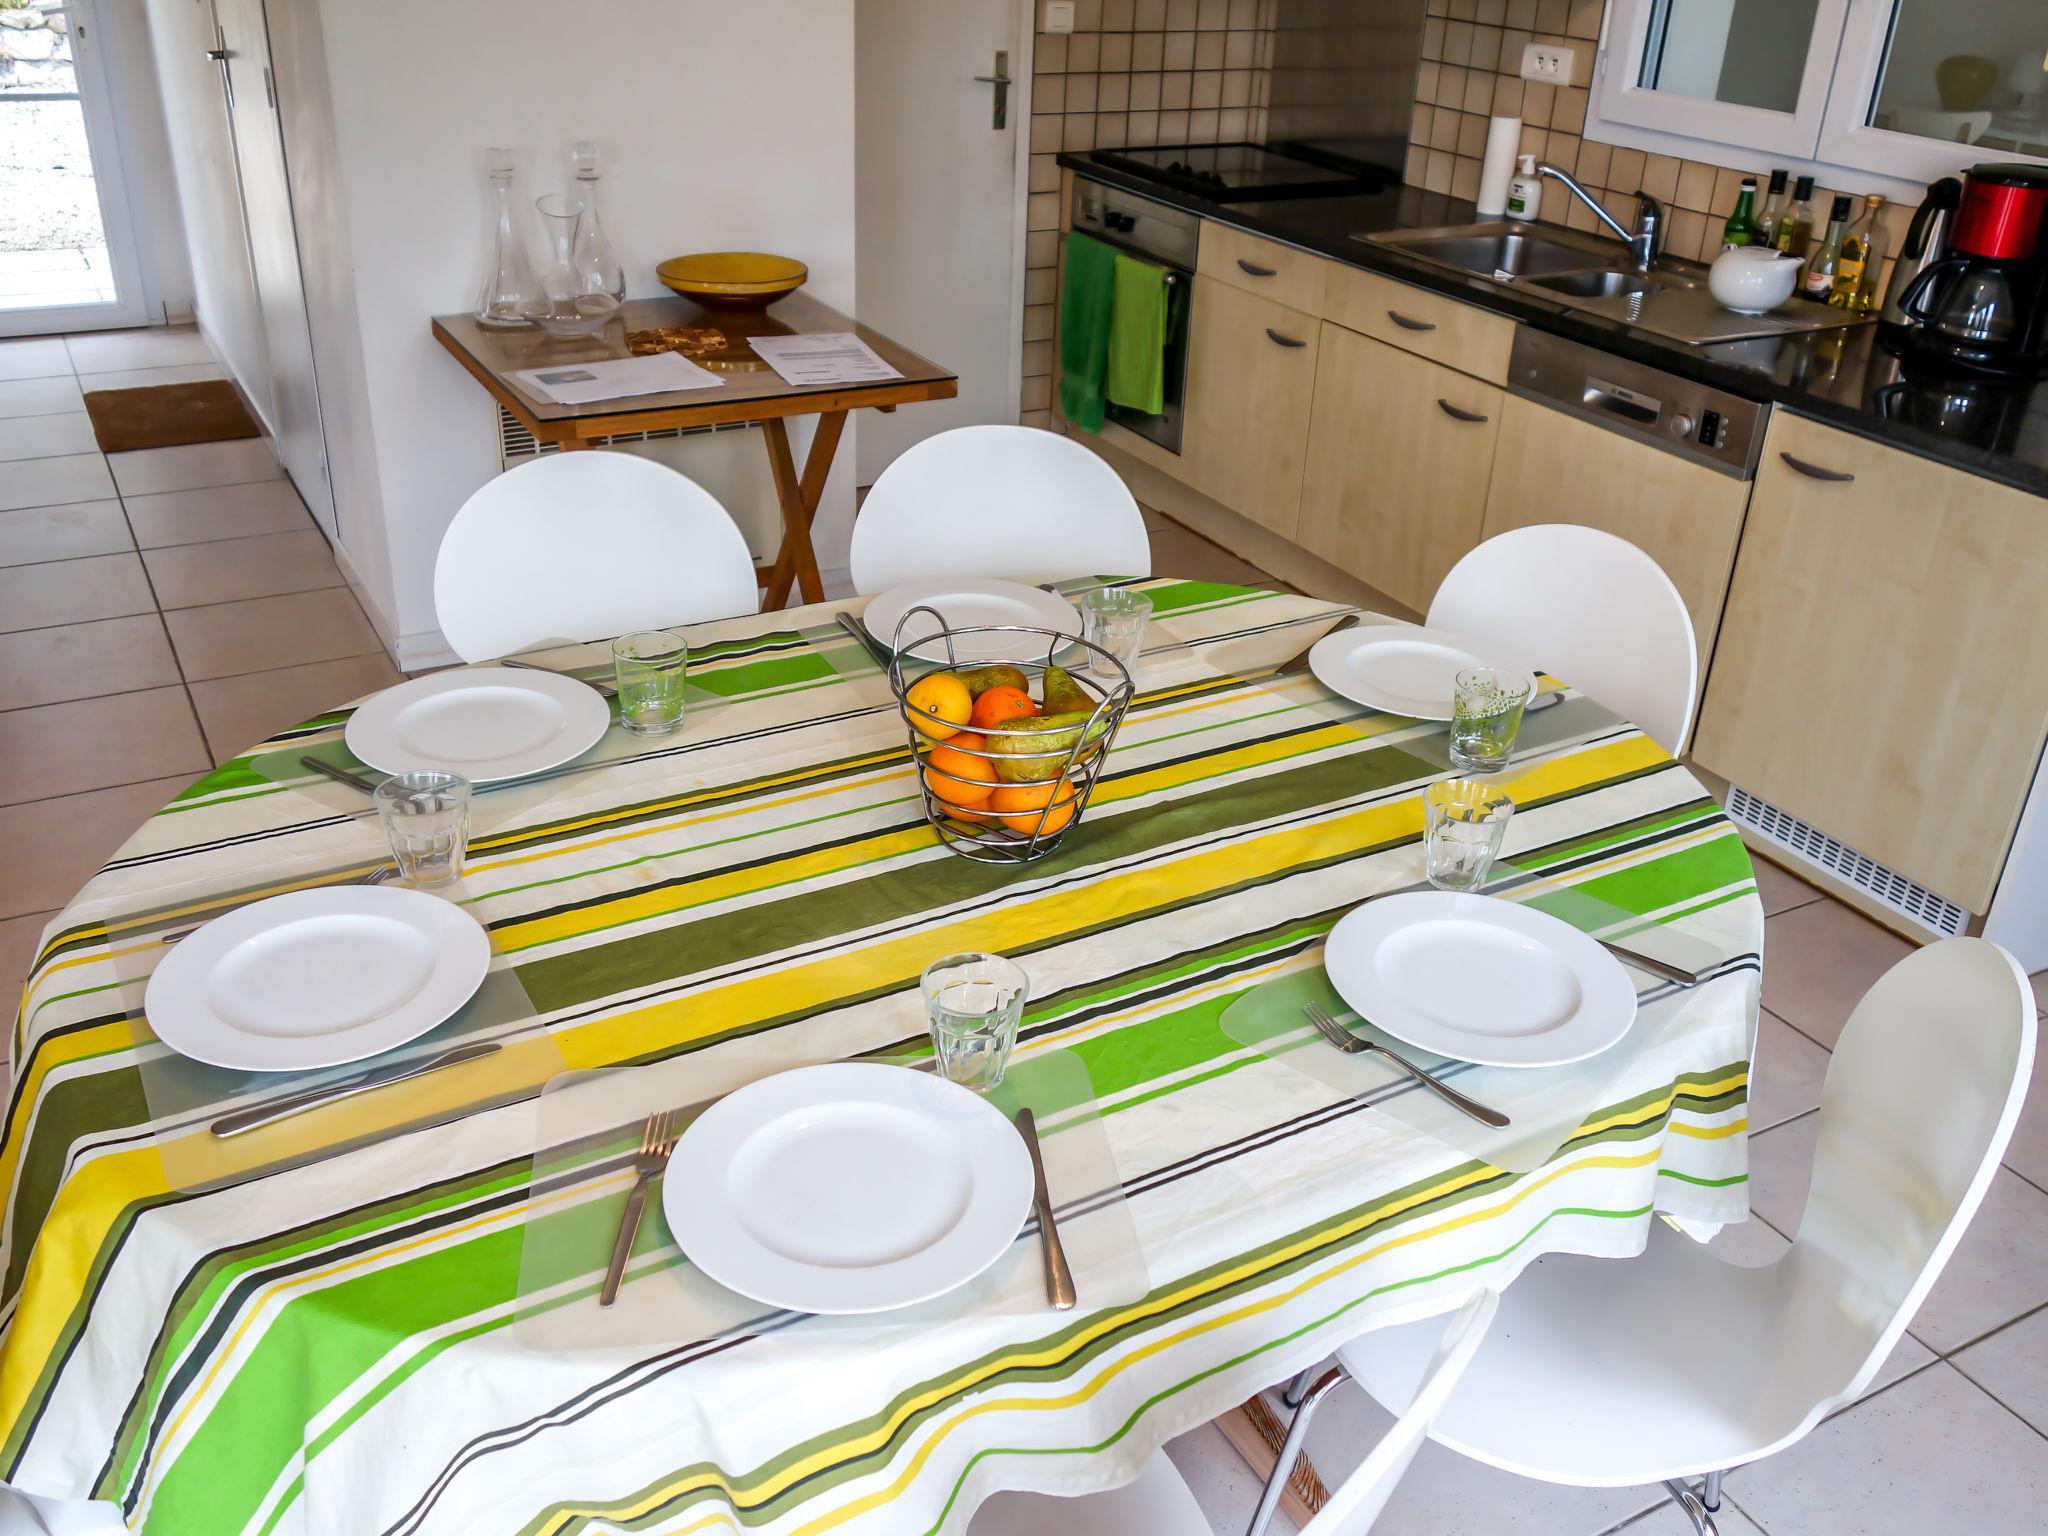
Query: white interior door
[
  {"x": 938, "y": 261},
  {"x": 294, "y": 404},
  {"x": 68, "y": 259}
]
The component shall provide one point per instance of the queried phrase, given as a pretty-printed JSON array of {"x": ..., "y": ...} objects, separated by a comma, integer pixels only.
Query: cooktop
[{"x": 1244, "y": 173}]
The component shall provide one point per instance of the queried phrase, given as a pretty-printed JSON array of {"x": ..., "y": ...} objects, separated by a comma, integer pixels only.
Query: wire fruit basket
[{"x": 1008, "y": 792}]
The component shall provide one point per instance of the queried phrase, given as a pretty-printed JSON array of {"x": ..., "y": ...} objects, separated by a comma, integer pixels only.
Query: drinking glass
[
  {"x": 651, "y": 668},
  {"x": 974, "y": 1003},
  {"x": 426, "y": 818},
  {"x": 1465, "y": 821},
  {"x": 1486, "y": 712},
  {"x": 1114, "y": 618}
]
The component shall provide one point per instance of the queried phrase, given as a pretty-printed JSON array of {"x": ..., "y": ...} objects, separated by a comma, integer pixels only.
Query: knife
[
  {"x": 278, "y": 1109},
  {"x": 339, "y": 775},
  {"x": 1651, "y": 964},
  {"x": 1297, "y": 663},
  {"x": 882, "y": 654},
  {"x": 602, "y": 690},
  {"x": 1059, "y": 1280}
]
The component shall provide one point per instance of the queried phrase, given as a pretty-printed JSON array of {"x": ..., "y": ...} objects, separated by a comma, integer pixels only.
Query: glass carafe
[
  {"x": 508, "y": 286},
  {"x": 564, "y": 308},
  {"x": 597, "y": 264}
]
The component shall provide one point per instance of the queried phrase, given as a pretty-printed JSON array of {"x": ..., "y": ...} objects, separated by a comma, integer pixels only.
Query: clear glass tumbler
[
  {"x": 1114, "y": 618},
  {"x": 651, "y": 669},
  {"x": 426, "y": 818},
  {"x": 1464, "y": 823},
  {"x": 1486, "y": 714},
  {"x": 974, "y": 1003}
]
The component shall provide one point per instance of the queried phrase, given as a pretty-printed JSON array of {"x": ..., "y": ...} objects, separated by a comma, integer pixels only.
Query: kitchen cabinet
[
  {"x": 1550, "y": 467},
  {"x": 1262, "y": 267},
  {"x": 1399, "y": 451},
  {"x": 1251, "y": 375},
  {"x": 1880, "y": 671},
  {"x": 1460, "y": 336}
]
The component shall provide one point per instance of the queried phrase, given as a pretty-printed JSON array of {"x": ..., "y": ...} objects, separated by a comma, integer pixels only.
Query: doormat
[{"x": 167, "y": 415}]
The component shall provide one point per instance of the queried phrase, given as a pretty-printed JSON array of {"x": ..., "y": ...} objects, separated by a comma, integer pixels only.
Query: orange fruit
[
  {"x": 999, "y": 704},
  {"x": 956, "y": 776},
  {"x": 943, "y": 696},
  {"x": 1017, "y": 806}
]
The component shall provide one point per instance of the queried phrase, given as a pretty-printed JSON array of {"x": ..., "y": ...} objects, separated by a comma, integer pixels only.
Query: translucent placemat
[{"x": 587, "y": 1127}]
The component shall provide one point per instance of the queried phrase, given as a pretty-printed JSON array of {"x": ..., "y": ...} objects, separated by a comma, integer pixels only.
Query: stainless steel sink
[
  {"x": 1597, "y": 285},
  {"x": 1504, "y": 254}
]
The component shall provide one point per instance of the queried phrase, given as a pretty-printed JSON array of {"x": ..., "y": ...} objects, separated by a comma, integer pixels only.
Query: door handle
[
  {"x": 1815, "y": 472},
  {"x": 999, "y": 118},
  {"x": 1409, "y": 325},
  {"x": 1253, "y": 271},
  {"x": 1285, "y": 341},
  {"x": 218, "y": 55},
  {"x": 1455, "y": 414}
]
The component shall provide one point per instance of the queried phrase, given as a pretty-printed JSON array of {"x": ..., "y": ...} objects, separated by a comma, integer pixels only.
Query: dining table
[{"x": 381, "y": 1315}]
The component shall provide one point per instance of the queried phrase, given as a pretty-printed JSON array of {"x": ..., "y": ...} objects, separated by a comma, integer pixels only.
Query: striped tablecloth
[{"x": 327, "y": 1346}]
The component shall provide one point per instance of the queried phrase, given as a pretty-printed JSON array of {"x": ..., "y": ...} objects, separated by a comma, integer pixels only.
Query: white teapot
[{"x": 1753, "y": 279}]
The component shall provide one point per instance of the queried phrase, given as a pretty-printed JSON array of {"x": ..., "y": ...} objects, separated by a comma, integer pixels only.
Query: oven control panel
[{"x": 1165, "y": 234}]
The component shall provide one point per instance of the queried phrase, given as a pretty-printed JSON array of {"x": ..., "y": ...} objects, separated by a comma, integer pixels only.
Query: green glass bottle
[{"x": 1741, "y": 226}]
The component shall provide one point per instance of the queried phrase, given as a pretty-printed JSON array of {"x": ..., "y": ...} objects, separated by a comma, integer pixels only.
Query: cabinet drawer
[
  {"x": 1416, "y": 320},
  {"x": 1251, "y": 377},
  {"x": 1276, "y": 272}
]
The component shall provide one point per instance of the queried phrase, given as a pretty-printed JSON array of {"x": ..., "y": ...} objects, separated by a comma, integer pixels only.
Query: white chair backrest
[
  {"x": 1587, "y": 607},
  {"x": 1921, "y": 1098},
  {"x": 586, "y": 546},
  {"x": 1014, "y": 502},
  {"x": 1356, "y": 1502}
]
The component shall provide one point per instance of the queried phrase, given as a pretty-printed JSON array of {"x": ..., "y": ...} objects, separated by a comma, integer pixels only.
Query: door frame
[{"x": 103, "y": 140}]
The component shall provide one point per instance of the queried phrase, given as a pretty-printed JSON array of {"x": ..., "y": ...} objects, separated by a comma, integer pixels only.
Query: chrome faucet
[{"x": 1643, "y": 240}]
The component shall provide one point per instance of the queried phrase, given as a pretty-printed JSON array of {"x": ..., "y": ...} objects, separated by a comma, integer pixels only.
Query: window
[{"x": 1906, "y": 90}]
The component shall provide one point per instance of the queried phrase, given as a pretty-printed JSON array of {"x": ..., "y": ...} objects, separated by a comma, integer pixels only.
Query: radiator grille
[
  {"x": 515, "y": 442},
  {"x": 1918, "y": 905}
]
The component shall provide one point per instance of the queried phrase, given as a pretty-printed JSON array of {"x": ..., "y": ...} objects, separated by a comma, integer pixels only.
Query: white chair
[
  {"x": 586, "y": 546},
  {"x": 1015, "y": 502},
  {"x": 1679, "y": 1365},
  {"x": 1159, "y": 1503},
  {"x": 1586, "y": 607}
]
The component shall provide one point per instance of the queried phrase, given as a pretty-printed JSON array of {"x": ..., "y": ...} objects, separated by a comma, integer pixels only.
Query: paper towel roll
[{"x": 1497, "y": 169}]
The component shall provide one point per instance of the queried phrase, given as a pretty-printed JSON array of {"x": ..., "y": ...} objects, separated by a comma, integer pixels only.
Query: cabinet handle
[
  {"x": 1815, "y": 472},
  {"x": 1410, "y": 325},
  {"x": 1285, "y": 341},
  {"x": 1252, "y": 271},
  {"x": 1455, "y": 414}
]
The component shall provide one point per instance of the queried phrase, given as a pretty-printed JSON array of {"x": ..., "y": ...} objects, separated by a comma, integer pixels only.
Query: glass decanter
[
  {"x": 508, "y": 286},
  {"x": 597, "y": 264}
]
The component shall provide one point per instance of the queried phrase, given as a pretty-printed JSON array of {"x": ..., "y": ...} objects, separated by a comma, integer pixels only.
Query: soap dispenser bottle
[{"x": 1525, "y": 192}]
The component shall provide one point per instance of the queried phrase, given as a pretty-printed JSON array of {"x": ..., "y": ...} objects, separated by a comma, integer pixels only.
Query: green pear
[
  {"x": 1031, "y": 757},
  {"x": 980, "y": 679},
  {"x": 1063, "y": 695}
]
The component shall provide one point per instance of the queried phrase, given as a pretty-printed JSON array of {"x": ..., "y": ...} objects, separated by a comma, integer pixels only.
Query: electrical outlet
[
  {"x": 1059, "y": 15},
  {"x": 1549, "y": 63}
]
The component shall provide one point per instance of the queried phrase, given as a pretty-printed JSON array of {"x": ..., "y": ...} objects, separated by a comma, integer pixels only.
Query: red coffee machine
[{"x": 1984, "y": 306}]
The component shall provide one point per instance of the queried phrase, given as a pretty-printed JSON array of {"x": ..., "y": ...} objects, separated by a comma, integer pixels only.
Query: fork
[
  {"x": 657, "y": 1142},
  {"x": 1352, "y": 1045}
]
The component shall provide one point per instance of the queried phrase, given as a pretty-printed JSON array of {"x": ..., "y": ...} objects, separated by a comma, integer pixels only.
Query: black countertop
[{"x": 1846, "y": 377}]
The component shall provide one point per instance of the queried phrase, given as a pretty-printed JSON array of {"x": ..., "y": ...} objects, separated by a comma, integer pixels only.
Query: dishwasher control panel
[{"x": 1692, "y": 420}]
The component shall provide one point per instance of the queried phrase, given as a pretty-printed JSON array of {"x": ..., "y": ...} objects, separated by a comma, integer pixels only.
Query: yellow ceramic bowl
[{"x": 733, "y": 279}]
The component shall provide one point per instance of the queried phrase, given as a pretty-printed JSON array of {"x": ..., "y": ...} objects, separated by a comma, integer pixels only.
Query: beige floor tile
[
  {"x": 238, "y": 712},
  {"x": 2040, "y": 981},
  {"x": 2012, "y": 1365},
  {"x": 48, "y": 482},
  {"x": 1785, "y": 1078},
  {"x": 46, "y": 437},
  {"x": 1934, "y": 1453},
  {"x": 36, "y": 357},
  {"x": 65, "y": 749},
  {"x": 1670, "y": 1520},
  {"x": 19, "y": 938},
  {"x": 84, "y": 661},
  {"x": 157, "y": 346},
  {"x": 1183, "y": 553},
  {"x": 2028, "y": 1153},
  {"x": 227, "y": 639},
  {"x": 54, "y": 396},
  {"x": 150, "y": 471},
  {"x": 216, "y": 512},
  {"x": 148, "y": 378},
  {"x": 1819, "y": 960},
  {"x": 1779, "y": 890},
  {"x": 73, "y": 591},
  {"x": 54, "y": 846},
  {"x": 228, "y": 570},
  {"x": 76, "y": 529}
]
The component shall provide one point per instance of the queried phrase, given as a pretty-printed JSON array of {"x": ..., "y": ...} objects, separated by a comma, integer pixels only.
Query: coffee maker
[{"x": 1984, "y": 306}]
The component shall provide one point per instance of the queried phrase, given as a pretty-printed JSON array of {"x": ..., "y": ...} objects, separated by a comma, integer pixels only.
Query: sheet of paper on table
[
  {"x": 658, "y": 373},
  {"x": 827, "y": 357}
]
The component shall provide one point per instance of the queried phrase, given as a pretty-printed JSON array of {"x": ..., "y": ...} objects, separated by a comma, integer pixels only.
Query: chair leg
[
  {"x": 1700, "y": 1506},
  {"x": 1292, "y": 1393},
  {"x": 1290, "y": 1449}
]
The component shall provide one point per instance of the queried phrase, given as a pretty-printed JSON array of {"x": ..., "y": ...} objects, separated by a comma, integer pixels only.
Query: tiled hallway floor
[{"x": 160, "y": 611}]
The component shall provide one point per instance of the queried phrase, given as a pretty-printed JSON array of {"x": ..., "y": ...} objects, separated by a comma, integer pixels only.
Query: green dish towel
[
  {"x": 1136, "y": 374},
  {"x": 1090, "y": 282}
]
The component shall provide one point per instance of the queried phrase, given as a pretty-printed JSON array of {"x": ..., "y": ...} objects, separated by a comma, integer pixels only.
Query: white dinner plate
[
  {"x": 1403, "y": 669},
  {"x": 1479, "y": 979},
  {"x": 847, "y": 1188},
  {"x": 966, "y": 603},
  {"x": 316, "y": 978},
  {"x": 485, "y": 723}
]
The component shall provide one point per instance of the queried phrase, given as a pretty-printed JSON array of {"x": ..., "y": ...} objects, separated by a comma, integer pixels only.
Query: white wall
[
  {"x": 146, "y": 159},
  {"x": 723, "y": 126}
]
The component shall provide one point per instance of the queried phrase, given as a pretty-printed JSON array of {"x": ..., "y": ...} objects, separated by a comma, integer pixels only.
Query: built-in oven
[{"x": 1166, "y": 237}]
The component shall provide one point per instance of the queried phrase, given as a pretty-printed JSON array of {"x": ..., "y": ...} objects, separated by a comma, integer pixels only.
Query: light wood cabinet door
[
  {"x": 1551, "y": 467},
  {"x": 1458, "y": 335},
  {"x": 1262, "y": 267},
  {"x": 1251, "y": 376},
  {"x": 1881, "y": 672},
  {"x": 1399, "y": 451}
]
